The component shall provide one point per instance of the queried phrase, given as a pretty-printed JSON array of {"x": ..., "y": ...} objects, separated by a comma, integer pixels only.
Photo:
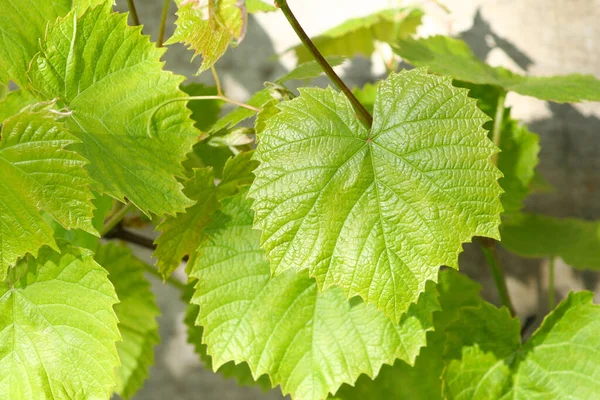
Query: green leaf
[
  {"x": 209, "y": 29},
  {"x": 14, "y": 102},
  {"x": 358, "y": 35},
  {"x": 576, "y": 241},
  {"x": 310, "y": 69},
  {"x": 137, "y": 312},
  {"x": 423, "y": 380},
  {"x": 58, "y": 330},
  {"x": 259, "y": 99},
  {"x": 376, "y": 212},
  {"x": 204, "y": 112},
  {"x": 181, "y": 235},
  {"x": 309, "y": 342},
  {"x": 24, "y": 24},
  {"x": 110, "y": 81},
  {"x": 366, "y": 95},
  {"x": 39, "y": 174},
  {"x": 255, "y": 6},
  {"x": 453, "y": 57}
]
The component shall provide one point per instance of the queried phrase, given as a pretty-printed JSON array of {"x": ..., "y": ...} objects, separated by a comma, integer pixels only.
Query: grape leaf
[
  {"x": 255, "y": 6},
  {"x": 259, "y": 99},
  {"x": 366, "y": 95},
  {"x": 204, "y": 112},
  {"x": 137, "y": 312},
  {"x": 182, "y": 234},
  {"x": 58, "y": 329},
  {"x": 576, "y": 241},
  {"x": 109, "y": 78},
  {"x": 14, "y": 102},
  {"x": 310, "y": 69},
  {"x": 39, "y": 174},
  {"x": 376, "y": 212},
  {"x": 453, "y": 57},
  {"x": 23, "y": 25},
  {"x": 358, "y": 35},
  {"x": 307, "y": 341},
  {"x": 209, "y": 29},
  {"x": 423, "y": 380}
]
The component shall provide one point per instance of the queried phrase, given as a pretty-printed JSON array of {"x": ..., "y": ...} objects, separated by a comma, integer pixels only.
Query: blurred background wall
[{"x": 540, "y": 37}]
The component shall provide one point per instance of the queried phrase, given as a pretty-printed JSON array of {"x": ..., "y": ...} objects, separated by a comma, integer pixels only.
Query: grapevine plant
[{"x": 313, "y": 240}]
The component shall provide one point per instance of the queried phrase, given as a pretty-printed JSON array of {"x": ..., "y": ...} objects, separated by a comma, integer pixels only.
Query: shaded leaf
[
  {"x": 310, "y": 69},
  {"x": 14, "y": 102}
]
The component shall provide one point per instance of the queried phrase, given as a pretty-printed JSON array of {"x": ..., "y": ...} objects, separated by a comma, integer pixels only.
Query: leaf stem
[
  {"x": 488, "y": 246},
  {"x": 361, "y": 111},
  {"x": 133, "y": 12},
  {"x": 115, "y": 218},
  {"x": 163, "y": 23},
  {"x": 551, "y": 286},
  {"x": 213, "y": 70},
  {"x": 498, "y": 119}
]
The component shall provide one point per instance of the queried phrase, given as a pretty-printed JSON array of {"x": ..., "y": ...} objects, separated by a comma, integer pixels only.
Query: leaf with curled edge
[
  {"x": 376, "y": 211},
  {"x": 307, "y": 341}
]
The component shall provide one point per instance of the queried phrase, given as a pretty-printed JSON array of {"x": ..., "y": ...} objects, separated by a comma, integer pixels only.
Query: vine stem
[
  {"x": 551, "y": 286},
  {"x": 488, "y": 246},
  {"x": 364, "y": 116},
  {"x": 115, "y": 219},
  {"x": 133, "y": 12},
  {"x": 163, "y": 23},
  {"x": 217, "y": 97}
]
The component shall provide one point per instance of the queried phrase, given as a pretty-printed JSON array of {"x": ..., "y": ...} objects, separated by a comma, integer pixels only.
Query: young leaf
[
  {"x": 310, "y": 69},
  {"x": 109, "y": 78},
  {"x": 58, "y": 330},
  {"x": 182, "y": 234},
  {"x": 23, "y": 24},
  {"x": 14, "y": 102},
  {"x": 576, "y": 241},
  {"x": 209, "y": 29},
  {"x": 453, "y": 57},
  {"x": 358, "y": 35},
  {"x": 255, "y": 6},
  {"x": 137, "y": 312},
  {"x": 377, "y": 211},
  {"x": 309, "y": 342},
  {"x": 39, "y": 174}
]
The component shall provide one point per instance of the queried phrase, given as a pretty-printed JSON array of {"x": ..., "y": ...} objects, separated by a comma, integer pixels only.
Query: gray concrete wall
[{"x": 541, "y": 37}]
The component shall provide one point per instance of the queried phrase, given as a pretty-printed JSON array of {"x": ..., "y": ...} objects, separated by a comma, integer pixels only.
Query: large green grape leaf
[
  {"x": 58, "y": 329},
  {"x": 23, "y": 24},
  {"x": 576, "y": 241},
  {"x": 136, "y": 311},
  {"x": 182, "y": 234},
  {"x": 14, "y": 102},
  {"x": 377, "y": 211},
  {"x": 423, "y": 380},
  {"x": 559, "y": 361},
  {"x": 39, "y": 174},
  {"x": 453, "y": 57},
  {"x": 309, "y": 342},
  {"x": 109, "y": 79},
  {"x": 358, "y": 35}
]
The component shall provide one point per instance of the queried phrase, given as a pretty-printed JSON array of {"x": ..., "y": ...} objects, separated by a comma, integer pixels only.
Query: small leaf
[
  {"x": 453, "y": 57},
  {"x": 366, "y": 95},
  {"x": 24, "y": 24},
  {"x": 307, "y": 341},
  {"x": 255, "y": 6},
  {"x": 110, "y": 79},
  {"x": 376, "y": 212},
  {"x": 310, "y": 69},
  {"x": 358, "y": 35},
  {"x": 39, "y": 174},
  {"x": 58, "y": 330},
  {"x": 576, "y": 241},
  {"x": 137, "y": 312},
  {"x": 259, "y": 99}
]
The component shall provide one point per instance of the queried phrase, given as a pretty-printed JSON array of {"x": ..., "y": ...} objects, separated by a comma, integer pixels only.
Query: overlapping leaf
[
  {"x": 109, "y": 80},
  {"x": 58, "y": 330},
  {"x": 309, "y": 342},
  {"x": 576, "y": 241},
  {"x": 39, "y": 174},
  {"x": 453, "y": 57},
  {"x": 358, "y": 35},
  {"x": 24, "y": 23},
  {"x": 136, "y": 311},
  {"x": 376, "y": 211},
  {"x": 310, "y": 69}
]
